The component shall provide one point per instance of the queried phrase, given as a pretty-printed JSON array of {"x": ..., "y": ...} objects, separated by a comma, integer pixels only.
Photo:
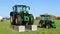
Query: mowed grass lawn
[{"x": 4, "y": 29}]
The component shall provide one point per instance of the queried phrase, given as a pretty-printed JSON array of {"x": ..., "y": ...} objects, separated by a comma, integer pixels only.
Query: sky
[{"x": 37, "y": 7}]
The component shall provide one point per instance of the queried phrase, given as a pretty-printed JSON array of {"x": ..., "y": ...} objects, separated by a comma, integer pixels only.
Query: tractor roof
[
  {"x": 21, "y": 5},
  {"x": 46, "y": 14}
]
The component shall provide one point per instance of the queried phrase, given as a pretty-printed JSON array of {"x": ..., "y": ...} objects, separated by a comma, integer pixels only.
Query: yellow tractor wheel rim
[
  {"x": 11, "y": 18},
  {"x": 46, "y": 26},
  {"x": 39, "y": 25},
  {"x": 16, "y": 20}
]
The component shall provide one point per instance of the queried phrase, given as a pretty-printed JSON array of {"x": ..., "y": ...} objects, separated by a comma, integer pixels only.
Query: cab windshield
[
  {"x": 44, "y": 18},
  {"x": 21, "y": 8}
]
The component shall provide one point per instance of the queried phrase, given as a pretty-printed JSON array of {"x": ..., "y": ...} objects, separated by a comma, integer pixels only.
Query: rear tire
[
  {"x": 18, "y": 20},
  {"x": 12, "y": 18},
  {"x": 43, "y": 23},
  {"x": 31, "y": 20}
]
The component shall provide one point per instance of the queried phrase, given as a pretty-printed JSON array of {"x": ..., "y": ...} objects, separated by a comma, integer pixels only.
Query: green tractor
[
  {"x": 20, "y": 15},
  {"x": 46, "y": 22}
]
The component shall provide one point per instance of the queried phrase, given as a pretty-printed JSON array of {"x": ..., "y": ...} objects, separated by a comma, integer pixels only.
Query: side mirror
[
  {"x": 28, "y": 7},
  {"x": 12, "y": 8}
]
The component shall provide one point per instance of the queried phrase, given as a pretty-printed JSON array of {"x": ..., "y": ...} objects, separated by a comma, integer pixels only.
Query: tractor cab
[
  {"x": 21, "y": 8},
  {"x": 45, "y": 17},
  {"x": 20, "y": 15},
  {"x": 46, "y": 21}
]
